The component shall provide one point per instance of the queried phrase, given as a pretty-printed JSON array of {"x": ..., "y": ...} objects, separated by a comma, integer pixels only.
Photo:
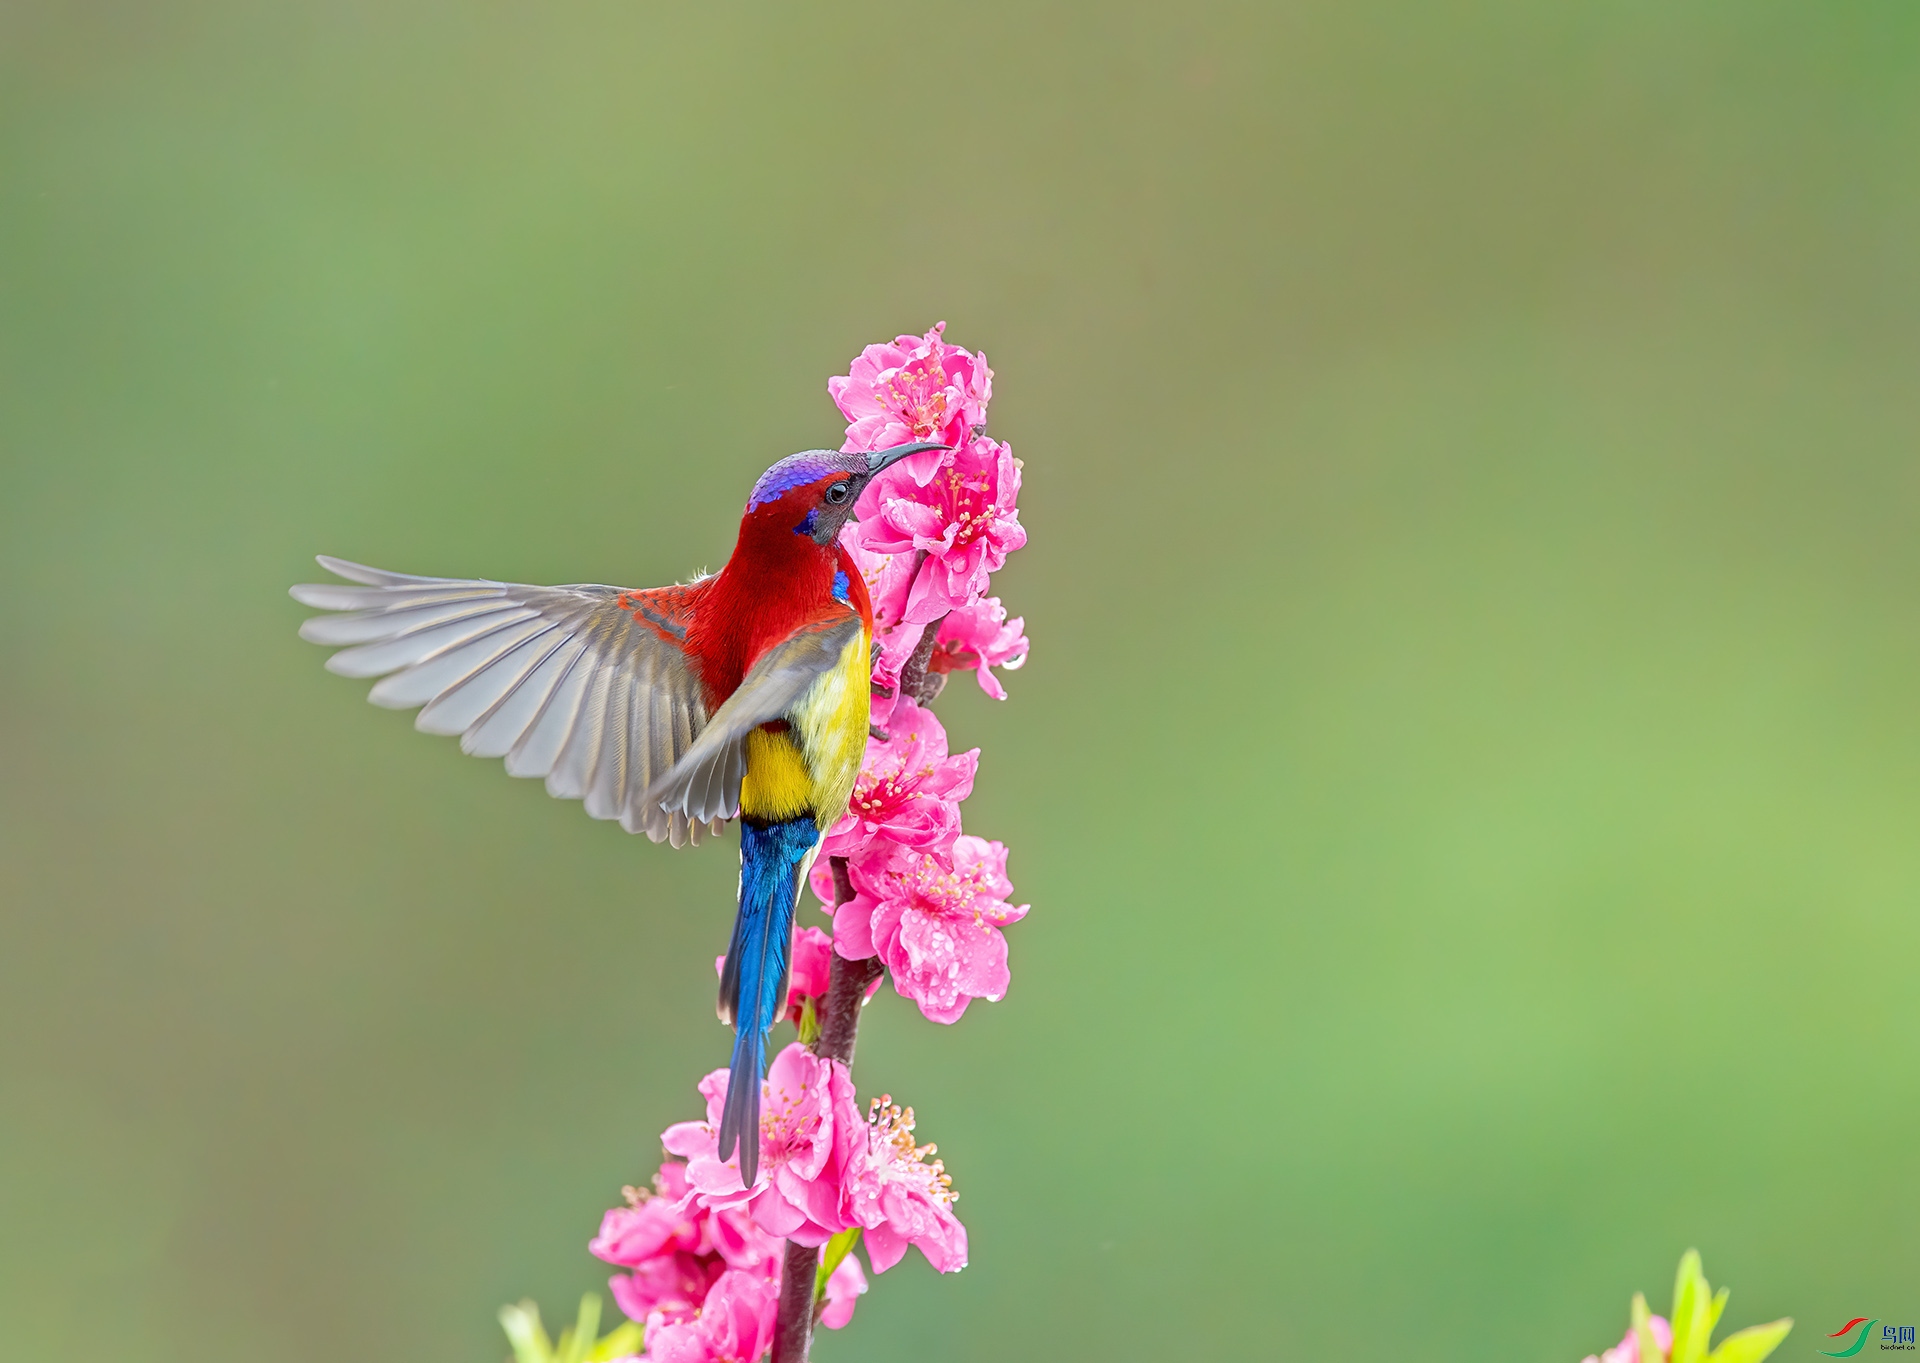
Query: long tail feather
[{"x": 753, "y": 984}]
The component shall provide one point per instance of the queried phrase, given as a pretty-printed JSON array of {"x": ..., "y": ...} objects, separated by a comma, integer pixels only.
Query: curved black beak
[{"x": 879, "y": 459}]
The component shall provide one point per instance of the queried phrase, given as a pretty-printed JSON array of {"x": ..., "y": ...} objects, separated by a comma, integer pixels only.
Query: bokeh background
[{"x": 1468, "y": 772}]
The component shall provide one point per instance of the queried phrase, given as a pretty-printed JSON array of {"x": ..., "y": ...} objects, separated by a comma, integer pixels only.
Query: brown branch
[
  {"x": 839, "y": 1026},
  {"x": 846, "y": 989},
  {"x": 915, "y": 680},
  {"x": 793, "y": 1335}
]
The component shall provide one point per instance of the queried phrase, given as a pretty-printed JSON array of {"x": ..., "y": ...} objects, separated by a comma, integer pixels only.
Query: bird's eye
[{"x": 838, "y": 493}]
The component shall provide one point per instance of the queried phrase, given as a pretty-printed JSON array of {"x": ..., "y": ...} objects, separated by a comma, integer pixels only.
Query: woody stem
[
  {"x": 793, "y": 1334},
  {"x": 839, "y": 1025},
  {"x": 847, "y": 987},
  {"x": 915, "y": 680}
]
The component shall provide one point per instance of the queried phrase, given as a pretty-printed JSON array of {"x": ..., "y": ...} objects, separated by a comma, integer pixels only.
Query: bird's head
[{"x": 812, "y": 493}]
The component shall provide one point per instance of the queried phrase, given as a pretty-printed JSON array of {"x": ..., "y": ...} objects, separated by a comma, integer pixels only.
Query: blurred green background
[{"x": 1468, "y": 773}]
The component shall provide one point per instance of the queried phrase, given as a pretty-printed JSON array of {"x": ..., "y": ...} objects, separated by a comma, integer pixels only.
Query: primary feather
[{"x": 586, "y": 686}]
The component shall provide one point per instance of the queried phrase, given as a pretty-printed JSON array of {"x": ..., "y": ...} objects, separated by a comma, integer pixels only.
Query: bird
[{"x": 742, "y": 694}]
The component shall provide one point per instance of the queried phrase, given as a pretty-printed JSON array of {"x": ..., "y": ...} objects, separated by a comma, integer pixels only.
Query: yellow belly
[{"x": 810, "y": 767}]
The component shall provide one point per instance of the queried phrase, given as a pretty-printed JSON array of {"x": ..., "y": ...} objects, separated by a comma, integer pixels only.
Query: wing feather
[
  {"x": 461, "y": 706},
  {"x": 633, "y": 752},
  {"x": 382, "y": 577},
  {"x": 610, "y": 752},
  {"x": 641, "y": 737},
  {"x": 563, "y": 682},
  {"x": 496, "y": 732},
  {"x": 331, "y": 596},
  {"x": 378, "y": 659},
  {"x": 427, "y": 681},
  {"x": 651, "y": 736},
  {"x": 573, "y": 764},
  {"x": 365, "y": 626},
  {"x": 540, "y": 746}
]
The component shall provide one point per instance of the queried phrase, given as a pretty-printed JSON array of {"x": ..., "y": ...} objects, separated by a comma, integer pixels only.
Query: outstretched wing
[
  {"x": 705, "y": 783},
  {"x": 586, "y": 686}
]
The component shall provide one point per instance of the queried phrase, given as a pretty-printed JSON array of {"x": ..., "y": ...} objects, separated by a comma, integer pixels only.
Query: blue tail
[{"x": 753, "y": 983}]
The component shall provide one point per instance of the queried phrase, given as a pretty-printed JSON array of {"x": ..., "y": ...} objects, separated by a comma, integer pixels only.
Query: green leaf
[
  {"x": 1643, "y": 1328},
  {"x": 1713, "y": 1315},
  {"x": 809, "y": 1022},
  {"x": 526, "y": 1334},
  {"x": 575, "y": 1342},
  {"x": 628, "y": 1338},
  {"x": 837, "y": 1249},
  {"x": 1751, "y": 1344},
  {"x": 1689, "y": 1316}
]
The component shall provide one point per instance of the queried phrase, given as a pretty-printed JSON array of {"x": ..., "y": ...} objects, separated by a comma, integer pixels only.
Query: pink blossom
[
  {"x": 651, "y": 1223},
  {"x": 812, "y": 966},
  {"x": 909, "y": 790},
  {"x": 676, "y": 1248},
  {"x": 701, "y": 1259},
  {"x": 670, "y": 1288},
  {"x": 900, "y": 1198},
  {"x": 917, "y": 388},
  {"x": 845, "y": 1286},
  {"x": 934, "y": 920},
  {"x": 680, "y": 1249},
  {"x": 735, "y": 1323},
  {"x": 807, "y": 1115},
  {"x": 965, "y": 520},
  {"x": 733, "y": 1237},
  {"x": 980, "y": 636},
  {"x": 888, "y": 578},
  {"x": 1628, "y": 1349}
]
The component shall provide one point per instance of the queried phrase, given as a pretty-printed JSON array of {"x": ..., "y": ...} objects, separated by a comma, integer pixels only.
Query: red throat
[{"x": 777, "y": 579}]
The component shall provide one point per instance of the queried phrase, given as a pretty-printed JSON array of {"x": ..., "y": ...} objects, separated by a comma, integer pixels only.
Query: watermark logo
[
  {"x": 1890, "y": 1337},
  {"x": 1857, "y": 1344}
]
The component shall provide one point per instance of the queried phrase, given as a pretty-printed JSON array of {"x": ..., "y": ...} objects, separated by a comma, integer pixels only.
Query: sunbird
[{"x": 744, "y": 694}]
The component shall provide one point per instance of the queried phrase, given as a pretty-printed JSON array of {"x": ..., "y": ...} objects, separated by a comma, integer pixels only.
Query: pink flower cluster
[
  {"x": 932, "y": 529},
  {"x": 824, "y": 1168},
  {"x": 934, "y": 919},
  {"x": 917, "y": 388},
  {"x": 705, "y": 1282},
  {"x": 703, "y": 1252},
  {"x": 981, "y": 637},
  {"x": 934, "y": 525}
]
